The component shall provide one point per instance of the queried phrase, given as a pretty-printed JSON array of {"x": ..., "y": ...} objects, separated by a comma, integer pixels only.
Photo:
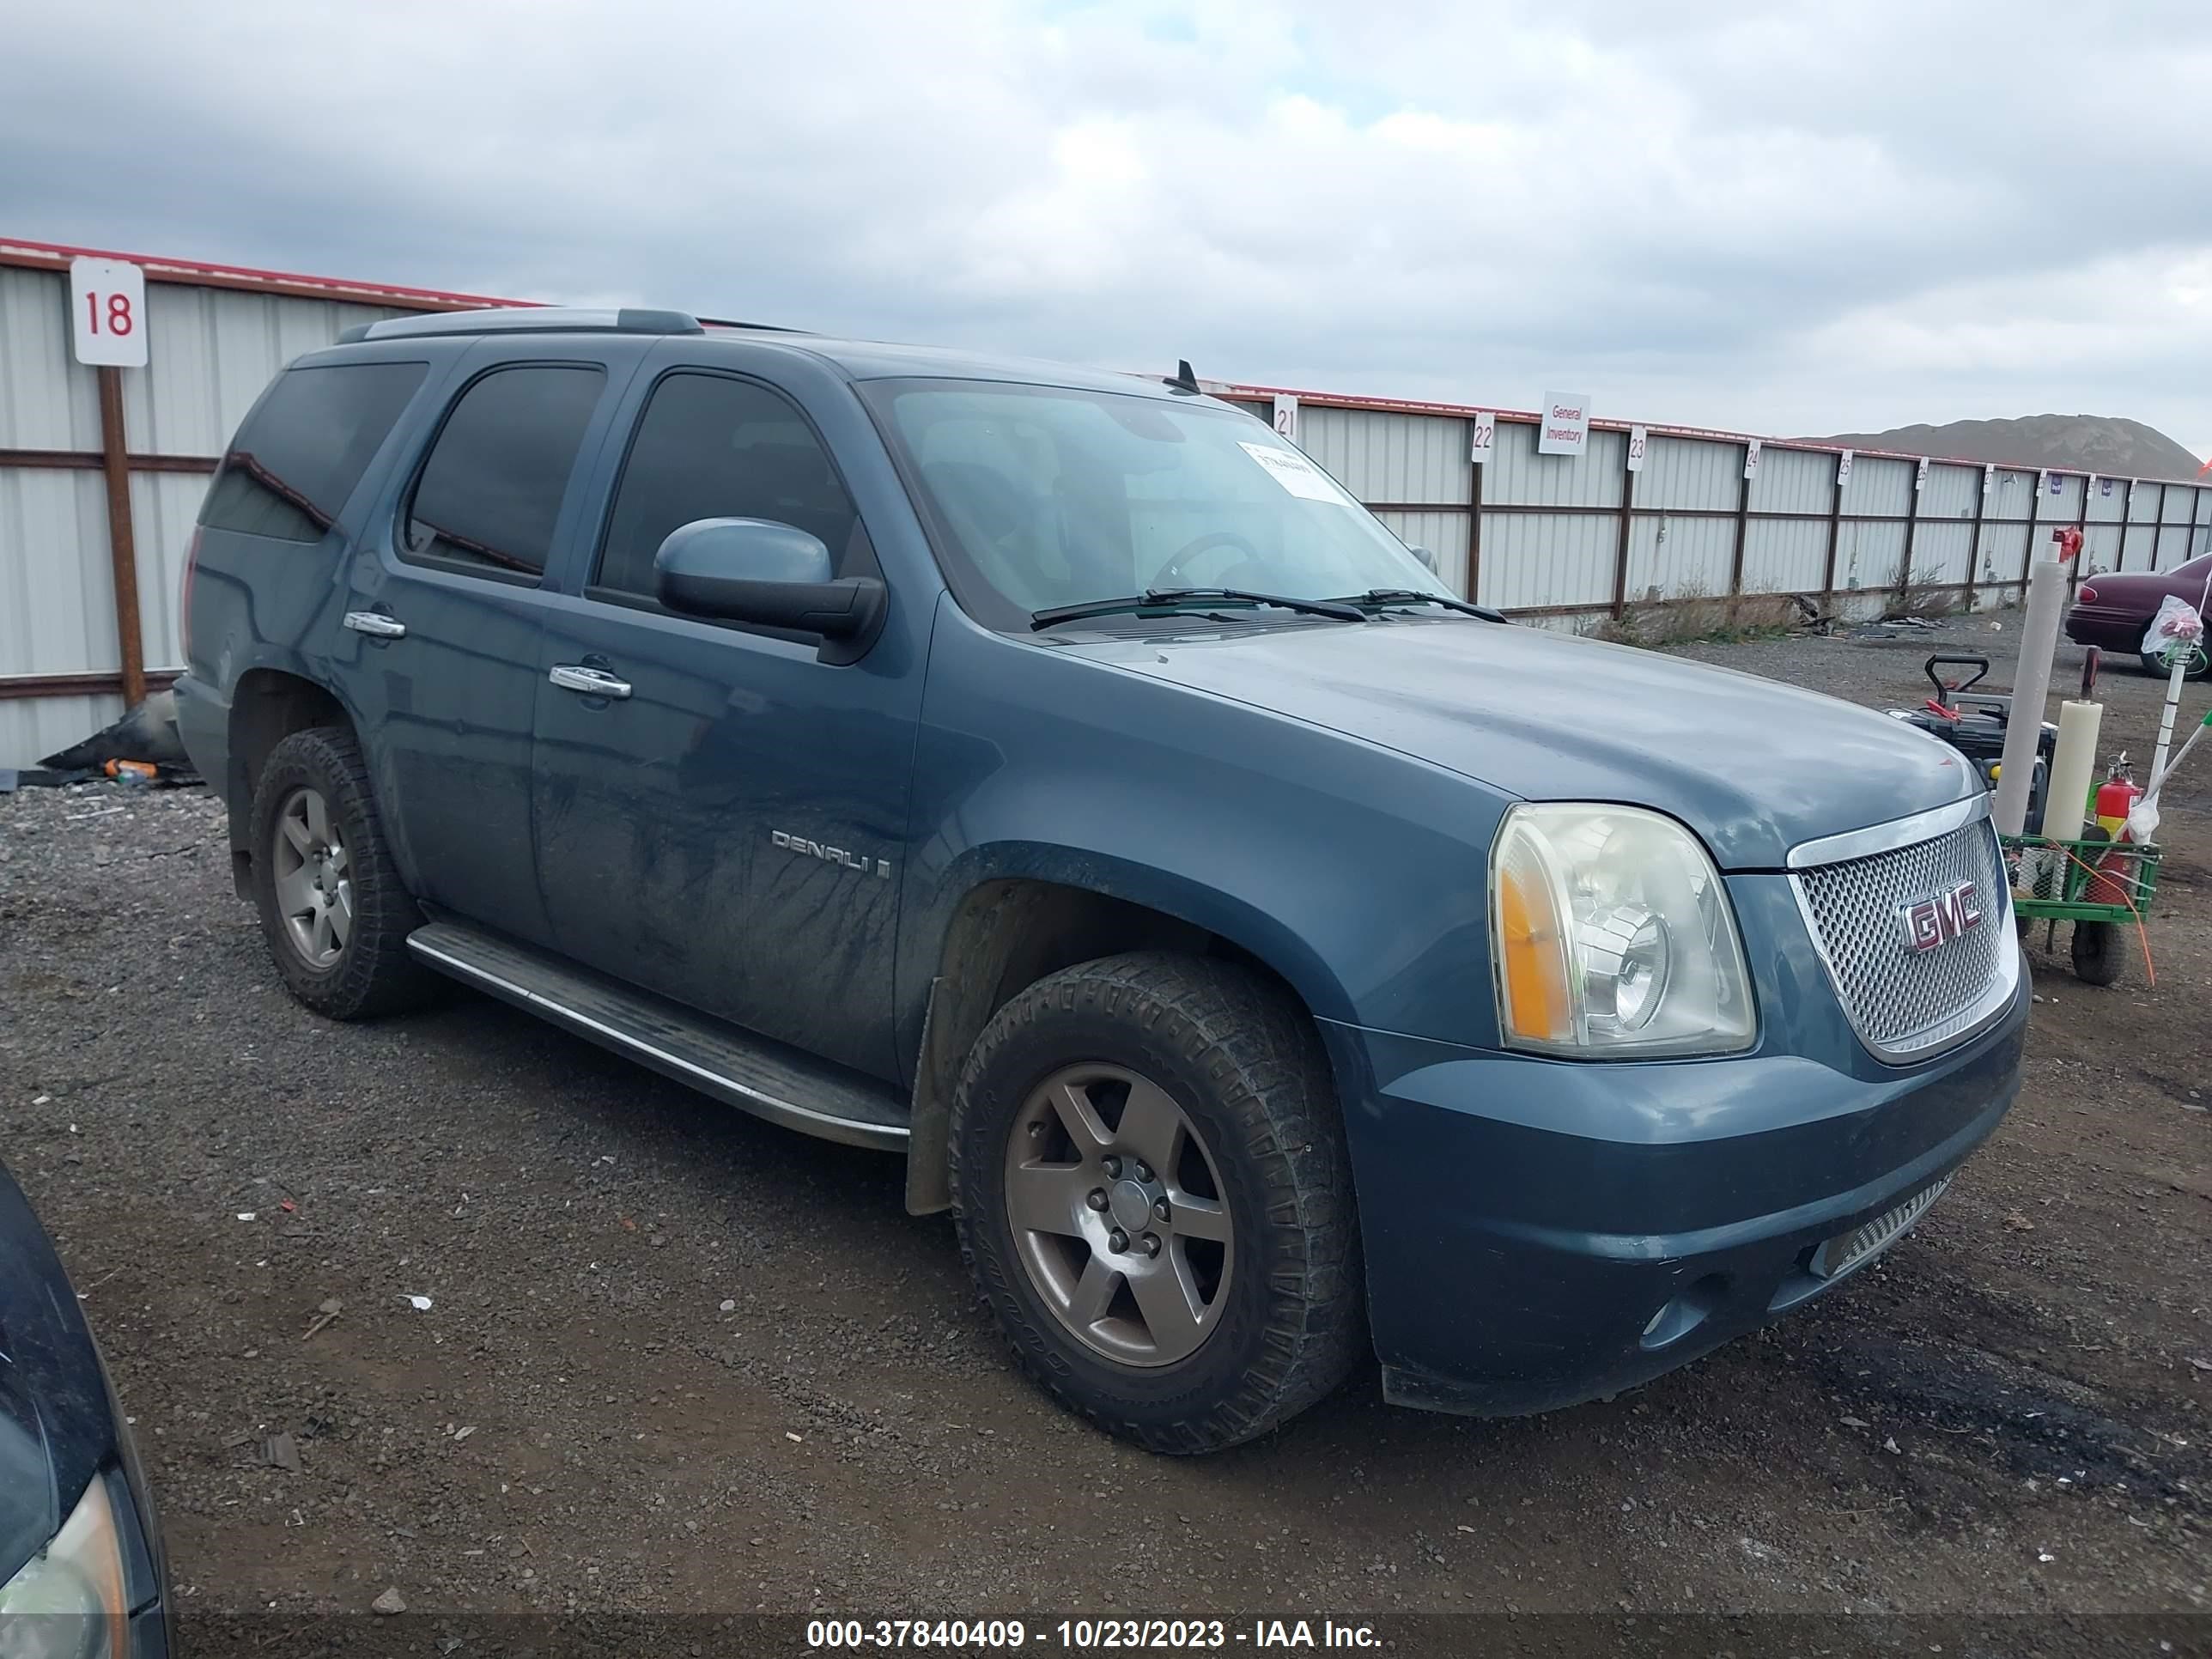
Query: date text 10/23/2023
[{"x": 1088, "y": 1635}]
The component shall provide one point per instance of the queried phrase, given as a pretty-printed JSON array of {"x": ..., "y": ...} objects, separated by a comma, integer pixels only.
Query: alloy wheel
[
  {"x": 1119, "y": 1215},
  {"x": 314, "y": 881}
]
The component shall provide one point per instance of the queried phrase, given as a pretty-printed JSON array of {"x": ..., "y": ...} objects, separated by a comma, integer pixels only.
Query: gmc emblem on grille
[{"x": 1929, "y": 922}]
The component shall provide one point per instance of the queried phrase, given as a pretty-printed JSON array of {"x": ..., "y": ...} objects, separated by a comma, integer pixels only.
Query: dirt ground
[{"x": 678, "y": 1361}]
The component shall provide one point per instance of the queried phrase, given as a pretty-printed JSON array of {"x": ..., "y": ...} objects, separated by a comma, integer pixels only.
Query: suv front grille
[{"x": 1906, "y": 1003}]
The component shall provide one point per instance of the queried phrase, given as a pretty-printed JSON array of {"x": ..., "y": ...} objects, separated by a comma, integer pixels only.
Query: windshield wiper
[
  {"x": 1387, "y": 598},
  {"x": 1164, "y": 597}
]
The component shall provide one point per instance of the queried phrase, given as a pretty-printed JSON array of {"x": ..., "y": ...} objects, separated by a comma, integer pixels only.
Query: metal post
[
  {"x": 1620, "y": 550},
  {"x": 1983, "y": 476},
  {"x": 1835, "y": 540},
  {"x": 1911, "y": 529},
  {"x": 2082, "y": 523},
  {"x": 122, "y": 545},
  {"x": 1743, "y": 524},
  {"x": 2159, "y": 534},
  {"x": 1474, "y": 520}
]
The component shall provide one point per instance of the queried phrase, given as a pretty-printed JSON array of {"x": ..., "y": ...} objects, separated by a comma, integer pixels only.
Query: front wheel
[{"x": 1151, "y": 1188}]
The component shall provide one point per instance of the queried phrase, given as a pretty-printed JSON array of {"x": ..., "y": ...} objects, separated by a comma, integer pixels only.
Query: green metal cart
[{"x": 2100, "y": 885}]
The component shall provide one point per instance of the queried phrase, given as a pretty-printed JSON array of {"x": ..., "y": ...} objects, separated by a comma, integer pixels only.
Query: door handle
[
  {"x": 591, "y": 682},
  {"x": 376, "y": 624}
]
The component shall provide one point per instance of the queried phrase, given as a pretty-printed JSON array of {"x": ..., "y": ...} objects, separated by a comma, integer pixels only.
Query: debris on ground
[{"x": 390, "y": 1603}]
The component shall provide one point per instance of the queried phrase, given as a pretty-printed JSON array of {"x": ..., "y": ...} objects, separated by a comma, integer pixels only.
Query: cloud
[{"x": 1786, "y": 219}]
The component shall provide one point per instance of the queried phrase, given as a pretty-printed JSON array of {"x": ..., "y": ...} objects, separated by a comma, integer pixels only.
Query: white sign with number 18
[{"x": 107, "y": 313}]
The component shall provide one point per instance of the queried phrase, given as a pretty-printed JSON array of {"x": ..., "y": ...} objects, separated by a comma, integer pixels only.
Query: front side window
[
  {"x": 305, "y": 447},
  {"x": 713, "y": 447},
  {"x": 490, "y": 492},
  {"x": 1048, "y": 496}
]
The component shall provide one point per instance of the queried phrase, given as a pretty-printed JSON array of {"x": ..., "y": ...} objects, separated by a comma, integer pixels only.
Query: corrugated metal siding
[
  {"x": 1672, "y": 557},
  {"x": 163, "y": 508},
  {"x": 2174, "y": 543},
  {"x": 2062, "y": 506},
  {"x": 1385, "y": 457},
  {"x": 2100, "y": 548},
  {"x": 1548, "y": 558},
  {"x": 1517, "y": 476},
  {"x": 2003, "y": 552},
  {"x": 31, "y": 729},
  {"x": 1782, "y": 555},
  {"x": 1868, "y": 555},
  {"x": 1793, "y": 481},
  {"x": 1689, "y": 475},
  {"x": 2108, "y": 502},
  {"x": 48, "y": 400},
  {"x": 2177, "y": 510},
  {"x": 1941, "y": 552},
  {"x": 57, "y": 582},
  {"x": 1443, "y": 534},
  {"x": 1950, "y": 492},
  {"x": 1879, "y": 485}
]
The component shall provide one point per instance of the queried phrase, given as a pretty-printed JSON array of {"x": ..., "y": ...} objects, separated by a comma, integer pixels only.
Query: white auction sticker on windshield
[{"x": 1294, "y": 473}]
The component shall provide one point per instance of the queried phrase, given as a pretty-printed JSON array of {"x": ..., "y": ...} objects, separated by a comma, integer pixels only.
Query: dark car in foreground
[
  {"x": 2113, "y": 611},
  {"x": 81, "y": 1564},
  {"x": 1057, "y": 778}
]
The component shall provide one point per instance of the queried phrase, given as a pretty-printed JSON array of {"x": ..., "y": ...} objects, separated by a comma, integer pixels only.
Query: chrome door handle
[
  {"x": 592, "y": 682},
  {"x": 376, "y": 624}
]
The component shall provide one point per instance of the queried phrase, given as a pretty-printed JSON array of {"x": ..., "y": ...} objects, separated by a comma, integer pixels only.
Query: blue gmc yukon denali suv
[{"x": 1056, "y": 778}]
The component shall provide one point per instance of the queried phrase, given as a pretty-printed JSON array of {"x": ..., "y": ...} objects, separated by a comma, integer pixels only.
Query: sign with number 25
[{"x": 107, "y": 313}]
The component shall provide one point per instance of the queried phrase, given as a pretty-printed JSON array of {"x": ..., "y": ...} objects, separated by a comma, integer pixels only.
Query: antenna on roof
[{"x": 1182, "y": 380}]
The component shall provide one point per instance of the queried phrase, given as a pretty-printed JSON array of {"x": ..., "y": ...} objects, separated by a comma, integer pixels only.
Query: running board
[{"x": 753, "y": 1073}]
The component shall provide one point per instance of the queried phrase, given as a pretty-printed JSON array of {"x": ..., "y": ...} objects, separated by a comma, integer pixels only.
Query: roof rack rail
[{"x": 527, "y": 320}]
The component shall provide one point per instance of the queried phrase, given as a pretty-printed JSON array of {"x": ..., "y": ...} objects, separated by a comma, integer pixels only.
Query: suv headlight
[
  {"x": 1613, "y": 937},
  {"x": 68, "y": 1602}
]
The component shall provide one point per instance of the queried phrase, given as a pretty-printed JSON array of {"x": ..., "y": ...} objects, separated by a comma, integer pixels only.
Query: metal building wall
[{"x": 211, "y": 350}]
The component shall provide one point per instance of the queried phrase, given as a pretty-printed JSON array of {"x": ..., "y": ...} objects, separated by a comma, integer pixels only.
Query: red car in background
[{"x": 2114, "y": 609}]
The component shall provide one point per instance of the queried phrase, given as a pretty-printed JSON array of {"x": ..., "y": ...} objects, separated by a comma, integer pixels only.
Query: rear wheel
[
  {"x": 1152, "y": 1192},
  {"x": 332, "y": 908}
]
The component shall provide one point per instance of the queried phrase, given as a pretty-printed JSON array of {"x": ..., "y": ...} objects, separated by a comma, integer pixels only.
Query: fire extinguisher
[{"x": 2116, "y": 799}]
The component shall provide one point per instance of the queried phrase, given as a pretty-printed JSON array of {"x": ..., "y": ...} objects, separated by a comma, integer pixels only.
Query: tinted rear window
[
  {"x": 305, "y": 447},
  {"x": 490, "y": 492}
]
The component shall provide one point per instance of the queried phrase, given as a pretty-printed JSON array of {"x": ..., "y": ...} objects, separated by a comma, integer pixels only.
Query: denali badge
[
  {"x": 1927, "y": 922},
  {"x": 815, "y": 849}
]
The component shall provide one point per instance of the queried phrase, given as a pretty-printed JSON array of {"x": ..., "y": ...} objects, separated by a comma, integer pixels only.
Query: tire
[
  {"x": 1259, "y": 1278},
  {"x": 2097, "y": 955},
  {"x": 340, "y": 941},
  {"x": 2200, "y": 666}
]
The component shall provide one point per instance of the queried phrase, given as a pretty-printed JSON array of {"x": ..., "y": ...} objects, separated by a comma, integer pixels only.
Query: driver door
[{"x": 680, "y": 784}]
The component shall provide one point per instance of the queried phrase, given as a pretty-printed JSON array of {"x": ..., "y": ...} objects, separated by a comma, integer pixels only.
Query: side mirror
[
  {"x": 1425, "y": 556},
  {"x": 756, "y": 571}
]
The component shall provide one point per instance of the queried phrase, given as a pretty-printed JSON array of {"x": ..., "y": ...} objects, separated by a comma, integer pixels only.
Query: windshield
[{"x": 1044, "y": 496}]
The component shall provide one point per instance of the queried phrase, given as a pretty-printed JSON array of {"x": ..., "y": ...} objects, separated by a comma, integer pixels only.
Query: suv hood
[{"x": 1753, "y": 766}]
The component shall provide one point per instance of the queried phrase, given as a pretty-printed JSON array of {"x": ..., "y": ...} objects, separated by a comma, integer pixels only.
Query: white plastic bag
[{"x": 2175, "y": 627}]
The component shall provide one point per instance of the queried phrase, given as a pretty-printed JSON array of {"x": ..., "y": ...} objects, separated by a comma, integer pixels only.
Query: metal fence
[
  {"x": 101, "y": 472},
  {"x": 1655, "y": 513}
]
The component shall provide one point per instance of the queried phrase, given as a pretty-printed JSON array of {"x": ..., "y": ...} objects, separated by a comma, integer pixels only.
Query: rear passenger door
[
  {"x": 659, "y": 808},
  {"x": 447, "y": 605}
]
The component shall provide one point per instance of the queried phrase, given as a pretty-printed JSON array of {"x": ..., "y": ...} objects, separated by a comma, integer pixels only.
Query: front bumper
[{"x": 1540, "y": 1232}]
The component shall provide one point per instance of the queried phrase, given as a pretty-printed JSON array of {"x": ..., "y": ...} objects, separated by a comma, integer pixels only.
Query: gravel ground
[{"x": 674, "y": 1360}]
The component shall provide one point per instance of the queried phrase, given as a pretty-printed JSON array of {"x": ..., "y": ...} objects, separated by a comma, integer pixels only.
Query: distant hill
[{"x": 2104, "y": 444}]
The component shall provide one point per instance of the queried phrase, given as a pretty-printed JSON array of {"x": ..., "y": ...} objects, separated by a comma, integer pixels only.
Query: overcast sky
[{"x": 1788, "y": 219}]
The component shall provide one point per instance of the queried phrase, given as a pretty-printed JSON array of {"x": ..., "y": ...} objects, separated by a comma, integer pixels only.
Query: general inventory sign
[
  {"x": 1564, "y": 428},
  {"x": 107, "y": 313}
]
